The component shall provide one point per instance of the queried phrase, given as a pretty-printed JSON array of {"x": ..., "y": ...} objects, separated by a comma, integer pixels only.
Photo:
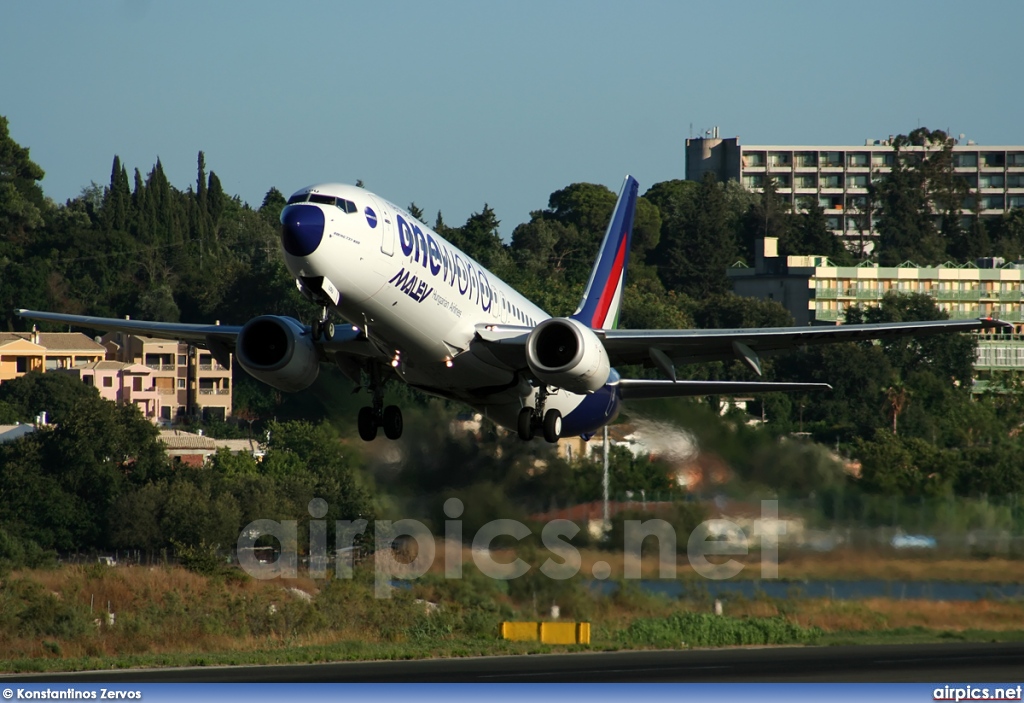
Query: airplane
[{"x": 420, "y": 310}]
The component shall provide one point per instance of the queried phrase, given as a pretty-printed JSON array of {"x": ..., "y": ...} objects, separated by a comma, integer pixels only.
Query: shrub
[{"x": 706, "y": 630}]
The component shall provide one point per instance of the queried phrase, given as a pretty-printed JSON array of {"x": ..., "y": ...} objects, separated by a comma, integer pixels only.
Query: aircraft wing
[
  {"x": 694, "y": 346},
  {"x": 665, "y": 348},
  {"x": 196, "y": 334},
  {"x": 219, "y": 339}
]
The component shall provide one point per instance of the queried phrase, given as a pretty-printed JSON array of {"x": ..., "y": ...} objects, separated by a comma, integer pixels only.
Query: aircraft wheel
[
  {"x": 525, "y": 424},
  {"x": 552, "y": 425},
  {"x": 327, "y": 331},
  {"x": 367, "y": 423},
  {"x": 392, "y": 422},
  {"x": 315, "y": 330}
]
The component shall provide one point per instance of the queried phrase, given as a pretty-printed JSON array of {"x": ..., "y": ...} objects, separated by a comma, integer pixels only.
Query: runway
[{"x": 938, "y": 663}]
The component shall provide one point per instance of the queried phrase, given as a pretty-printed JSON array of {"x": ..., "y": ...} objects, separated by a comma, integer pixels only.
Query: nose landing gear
[{"x": 323, "y": 328}]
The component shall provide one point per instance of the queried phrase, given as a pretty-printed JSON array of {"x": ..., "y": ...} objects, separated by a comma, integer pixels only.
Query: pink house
[{"x": 122, "y": 382}]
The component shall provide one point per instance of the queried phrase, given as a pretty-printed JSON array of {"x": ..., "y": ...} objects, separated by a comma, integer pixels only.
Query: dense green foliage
[{"x": 99, "y": 479}]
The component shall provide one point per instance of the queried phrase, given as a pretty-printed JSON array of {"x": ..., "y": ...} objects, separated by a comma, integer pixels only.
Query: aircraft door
[{"x": 387, "y": 225}]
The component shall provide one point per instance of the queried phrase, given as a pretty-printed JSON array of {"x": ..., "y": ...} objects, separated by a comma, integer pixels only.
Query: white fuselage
[{"x": 419, "y": 299}]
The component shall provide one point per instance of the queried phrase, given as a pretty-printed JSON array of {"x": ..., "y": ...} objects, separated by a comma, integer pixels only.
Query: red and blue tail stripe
[{"x": 599, "y": 308}]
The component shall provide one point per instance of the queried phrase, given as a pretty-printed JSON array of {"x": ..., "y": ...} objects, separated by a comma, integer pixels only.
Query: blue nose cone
[{"x": 302, "y": 229}]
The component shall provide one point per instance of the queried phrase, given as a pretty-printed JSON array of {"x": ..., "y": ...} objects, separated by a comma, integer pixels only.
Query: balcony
[
  {"x": 830, "y": 315},
  {"x": 160, "y": 367},
  {"x": 826, "y": 293},
  {"x": 1010, "y": 296}
]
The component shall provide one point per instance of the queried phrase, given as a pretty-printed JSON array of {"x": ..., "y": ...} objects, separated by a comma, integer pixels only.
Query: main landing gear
[
  {"x": 371, "y": 417},
  {"x": 323, "y": 328},
  {"x": 532, "y": 419}
]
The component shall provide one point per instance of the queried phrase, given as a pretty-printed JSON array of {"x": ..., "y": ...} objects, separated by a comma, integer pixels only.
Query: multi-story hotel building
[
  {"x": 837, "y": 177},
  {"x": 815, "y": 291}
]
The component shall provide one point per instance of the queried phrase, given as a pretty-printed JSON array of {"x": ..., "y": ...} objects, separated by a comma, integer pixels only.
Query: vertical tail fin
[{"x": 599, "y": 308}]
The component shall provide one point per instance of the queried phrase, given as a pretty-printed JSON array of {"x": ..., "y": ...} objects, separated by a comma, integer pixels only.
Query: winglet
[{"x": 599, "y": 308}]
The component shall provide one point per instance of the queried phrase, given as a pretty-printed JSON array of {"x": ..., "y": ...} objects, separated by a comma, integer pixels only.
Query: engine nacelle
[
  {"x": 277, "y": 351},
  {"x": 566, "y": 353}
]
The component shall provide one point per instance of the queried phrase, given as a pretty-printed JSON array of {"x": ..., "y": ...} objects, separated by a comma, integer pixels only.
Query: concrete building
[
  {"x": 188, "y": 381},
  {"x": 22, "y": 352},
  {"x": 837, "y": 177},
  {"x": 817, "y": 292}
]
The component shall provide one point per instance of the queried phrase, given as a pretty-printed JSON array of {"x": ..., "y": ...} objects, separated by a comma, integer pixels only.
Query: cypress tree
[
  {"x": 138, "y": 217},
  {"x": 200, "y": 219},
  {"x": 215, "y": 201},
  {"x": 117, "y": 199}
]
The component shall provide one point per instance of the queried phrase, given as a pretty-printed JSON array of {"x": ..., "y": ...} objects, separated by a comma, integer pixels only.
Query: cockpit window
[
  {"x": 300, "y": 198},
  {"x": 340, "y": 203}
]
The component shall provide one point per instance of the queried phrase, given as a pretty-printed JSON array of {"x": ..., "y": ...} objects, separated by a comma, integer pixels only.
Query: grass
[{"x": 166, "y": 616}]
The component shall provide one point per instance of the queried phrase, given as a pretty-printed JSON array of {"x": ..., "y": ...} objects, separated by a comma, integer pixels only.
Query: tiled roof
[
  {"x": 176, "y": 439},
  {"x": 57, "y": 341}
]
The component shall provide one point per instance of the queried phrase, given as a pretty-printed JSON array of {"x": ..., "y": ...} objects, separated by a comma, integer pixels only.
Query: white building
[{"x": 837, "y": 177}]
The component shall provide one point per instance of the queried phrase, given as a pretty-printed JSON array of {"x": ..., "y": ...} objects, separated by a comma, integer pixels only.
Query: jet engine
[
  {"x": 566, "y": 353},
  {"x": 279, "y": 352}
]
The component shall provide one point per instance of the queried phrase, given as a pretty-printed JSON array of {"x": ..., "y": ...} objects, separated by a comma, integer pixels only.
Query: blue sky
[{"x": 454, "y": 104}]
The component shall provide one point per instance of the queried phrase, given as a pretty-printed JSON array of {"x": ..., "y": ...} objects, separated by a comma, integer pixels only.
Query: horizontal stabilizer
[{"x": 639, "y": 389}]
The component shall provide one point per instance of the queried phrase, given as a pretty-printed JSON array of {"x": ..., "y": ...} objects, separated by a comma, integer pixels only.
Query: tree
[
  {"x": 1009, "y": 235},
  {"x": 57, "y": 394},
  {"x": 22, "y": 207},
  {"x": 416, "y": 211},
  {"x": 906, "y": 229},
  {"x": 480, "y": 238},
  {"x": 694, "y": 254},
  {"x": 950, "y": 357},
  {"x": 63, "y": 481},
  {"x": 21, "y": 198},
  {"x": 896, "y": 398},
  {"x": 273, "y": 203},
  {"x": 117, "y": 199},
  {"x": 809, "y": 235},
  {"x": 767, "y": 217}
]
